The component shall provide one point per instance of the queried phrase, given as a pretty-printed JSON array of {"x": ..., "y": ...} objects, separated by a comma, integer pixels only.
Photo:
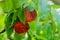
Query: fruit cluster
[{"x": 22, "y": 28}]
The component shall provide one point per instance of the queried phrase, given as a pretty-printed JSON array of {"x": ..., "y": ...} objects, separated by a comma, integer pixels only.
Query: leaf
[
  {"x": 43, "y": 9},
  {"x": 18, "y": 36},
  {"x": 18, "y": 3},
  {"x": 33, "y": 25},
  {"x": 13, "y": 20},
  {"x": 42, "y": 13},
  {"x": 1, "y": 37},
  {"x": 23, "y": 2},
  {"x": 56, "y": 18},
  {"x": 9, "y": 32},
  {"x": 8, "y": 20},
  {"x": 31, "y": 6},
  {"x": 7, "y": 5},
  {"x": 35, "y": 4},
  {"x": 47, "y": 31},
  {"x": 1, "y": 4},
  {"x": 29, "y": 36},
  {"x": 21, "y": 15},
  {"x": 2, "y": 18},
  {"x": 38, "y": 25}
]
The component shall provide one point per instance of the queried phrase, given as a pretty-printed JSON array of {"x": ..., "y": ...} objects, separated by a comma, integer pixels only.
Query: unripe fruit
[
  {"x": 21, "y": 28},
  {"x": 30, "y": 16}
]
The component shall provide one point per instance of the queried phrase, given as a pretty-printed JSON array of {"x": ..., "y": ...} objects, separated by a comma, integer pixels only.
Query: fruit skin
[
  {"x": 30, "y": 16},
  {"x": 33, "y": 14},
  {"x": 21, "y": 28}
]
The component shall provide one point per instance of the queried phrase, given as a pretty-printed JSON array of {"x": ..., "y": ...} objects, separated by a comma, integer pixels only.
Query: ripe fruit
[
  {"x": 33, "y": 14},
  {"x": 30, "y": 16},
  {"x": 21, "y": 28}
]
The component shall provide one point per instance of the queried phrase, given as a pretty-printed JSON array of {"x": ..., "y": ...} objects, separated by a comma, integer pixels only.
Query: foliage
[{"x": 46, "y": 26}]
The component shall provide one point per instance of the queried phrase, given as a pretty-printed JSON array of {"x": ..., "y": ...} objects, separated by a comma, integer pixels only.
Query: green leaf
[
  {"x": 21, "y": 15},
  {"x": 8, "y": 19},
  {"x": 18, "y": 3},
  {"x": 33, "y": 25},
  {"x": 13, "y": 20},
  {"x": 56, "y": 18},
  {"x": 1, "y": 4},
  {"x": 35, "y": 4},
  {"x": 43, "y": 9},
  {"x": 7, "y": 6},
  {"x": 8, "y": 22},
  {"x": 29, "y": 36},
  {"x": 47, "y": 31},
  {"x": 9, "y": 32},
  {"x": 1, "y": 37},
  {"x": 31, "y": 6},
  {"x": 19, "y": 36}
]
